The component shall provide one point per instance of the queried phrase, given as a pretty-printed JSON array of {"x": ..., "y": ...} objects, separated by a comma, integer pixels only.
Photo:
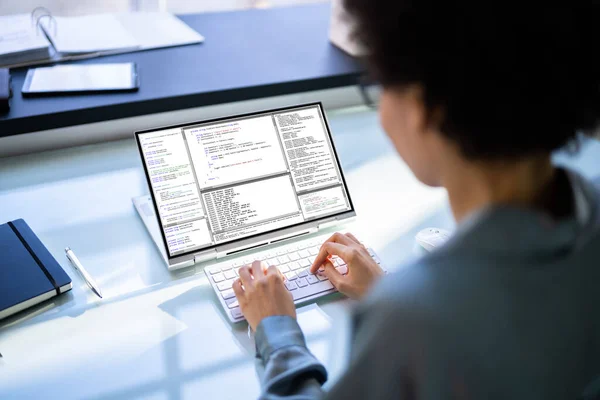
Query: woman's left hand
[{"x": 261, "y": 293}]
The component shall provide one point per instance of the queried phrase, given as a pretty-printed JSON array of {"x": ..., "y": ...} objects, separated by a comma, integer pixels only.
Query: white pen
[{"x": 88, "y": 279}]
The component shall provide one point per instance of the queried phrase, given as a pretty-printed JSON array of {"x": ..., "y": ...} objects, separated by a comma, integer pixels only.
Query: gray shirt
[{"x": 507, "y": 309}]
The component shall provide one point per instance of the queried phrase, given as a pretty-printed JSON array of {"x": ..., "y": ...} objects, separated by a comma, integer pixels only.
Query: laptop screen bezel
[{"x": 299, "y": 226}]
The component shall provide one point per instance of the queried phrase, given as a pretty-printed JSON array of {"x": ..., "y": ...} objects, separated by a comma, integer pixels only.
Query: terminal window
[{"x": 221, "y": 181}]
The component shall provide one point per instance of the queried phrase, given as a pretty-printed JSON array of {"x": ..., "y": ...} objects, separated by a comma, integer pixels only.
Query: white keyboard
[{"x": 293, "y": 261}]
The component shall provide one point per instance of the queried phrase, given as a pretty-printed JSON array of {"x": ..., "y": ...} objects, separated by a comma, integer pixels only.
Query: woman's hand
[
  {"x": 262, "y": 293},
  {"x": 363, "y": 271}
]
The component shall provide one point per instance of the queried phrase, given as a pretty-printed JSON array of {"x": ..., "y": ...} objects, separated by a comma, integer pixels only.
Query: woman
[{"x": 476, "y": 97}]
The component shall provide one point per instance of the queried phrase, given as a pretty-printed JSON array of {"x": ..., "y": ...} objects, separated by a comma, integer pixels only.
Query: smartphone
[{"x": 83, "y": 79}]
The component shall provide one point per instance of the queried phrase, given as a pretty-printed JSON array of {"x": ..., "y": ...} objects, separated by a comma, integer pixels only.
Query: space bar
[{"x": 310, "y": 290}]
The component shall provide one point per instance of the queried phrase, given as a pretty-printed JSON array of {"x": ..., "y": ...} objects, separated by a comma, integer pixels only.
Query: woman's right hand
[{"x": 363, "y": 271}]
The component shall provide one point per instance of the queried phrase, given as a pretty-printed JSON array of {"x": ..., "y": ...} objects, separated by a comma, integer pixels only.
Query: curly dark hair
[{"x": 512, "y": 78}]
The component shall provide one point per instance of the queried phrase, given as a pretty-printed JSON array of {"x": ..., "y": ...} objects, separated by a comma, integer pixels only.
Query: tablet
[{"x": 87, "y": 78}]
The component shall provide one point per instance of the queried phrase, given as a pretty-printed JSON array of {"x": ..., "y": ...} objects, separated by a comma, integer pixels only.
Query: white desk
[{"x": 161, "y": 335}]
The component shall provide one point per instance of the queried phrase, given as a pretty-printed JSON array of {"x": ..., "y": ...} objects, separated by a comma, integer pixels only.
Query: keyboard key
[
  {"x": 224, "y": 285},
  {"x": 313, "y": 250},
  {"x": 230, "y": 274},
  {"x": 228, "y": 294},
  {"x": 301, "y": 282},
  {"x": 294, "y": 265},
  {"x": 312, "y": 279},
  {"x": 304, "y": 263},
  {"x": 214, "y": 270},
  {"x": 293, "y": 256},
  {"x": 281, "y": 252},
  {"x": 283, "y": 259},
  {"x": 232, "y": 303},
  {"x": 218, "y": 278},
  {"x": 304, "y": 245},
  {"x": 342, "y": 270},
  {"x": 284, "y": 268},
  {"x": 327, "y": 285},
  {"x": 272, "y": 261},
  {"x": 321, "y": 277},
  {"x": 291, "y": 275},
  {"x": 290, "y": 285},
  {"x": 311, "y": 260},
  {"x": 303, "y": 253},
  {"x": 302, "y": 273},
  {"x": 311, "y": 290},
  {"x": 227, "y": 267},
  {"x": 236, "y": 313}
]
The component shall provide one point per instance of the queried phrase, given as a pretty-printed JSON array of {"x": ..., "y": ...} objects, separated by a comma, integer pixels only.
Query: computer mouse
[{"x": 432, "y": 238}]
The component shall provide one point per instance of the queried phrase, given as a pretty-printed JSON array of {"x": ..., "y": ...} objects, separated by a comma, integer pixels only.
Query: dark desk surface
[{"x": 247, "y": 54}]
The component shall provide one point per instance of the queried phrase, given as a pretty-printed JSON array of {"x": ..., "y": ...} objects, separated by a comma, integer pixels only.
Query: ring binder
[
  {"x": 52, "y": 22},
  {"x": 36, "y": 17},
  {"x": 52, "y": 39},
  {"x": 19, "y": 41},
  {"x": 39, "y": 9}
]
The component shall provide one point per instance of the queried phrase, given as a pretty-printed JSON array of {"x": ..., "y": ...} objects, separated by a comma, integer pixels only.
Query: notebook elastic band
[{"x": 35, "y": 257}]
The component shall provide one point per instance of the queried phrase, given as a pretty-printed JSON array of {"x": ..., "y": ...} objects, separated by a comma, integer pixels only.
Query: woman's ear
[
  {"x": 414, "y": 109},
  {"x": 412, "y": 131},
  {"x": 435, "y": 119},
  {"x": 424, "y": 120}
]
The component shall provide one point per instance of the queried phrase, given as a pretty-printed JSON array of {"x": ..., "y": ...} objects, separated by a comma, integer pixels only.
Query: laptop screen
[{"x": 223, "y": 180}]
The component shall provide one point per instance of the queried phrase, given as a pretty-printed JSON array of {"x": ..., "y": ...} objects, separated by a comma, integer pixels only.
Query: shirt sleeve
[
  {"x": 375, "y": 370},
  {"x": 398, "y": 352},
  {"x": 290, "y": 369}
]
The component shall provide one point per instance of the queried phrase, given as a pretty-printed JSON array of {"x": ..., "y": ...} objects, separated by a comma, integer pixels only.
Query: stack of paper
[
  {"x": 118, "y": 32},
  {"x": 74, "y": 38},
  {"x": 20, "y": 41},
  {"x": 88, "y": 34},
  {"x": 153, "y": 30}
]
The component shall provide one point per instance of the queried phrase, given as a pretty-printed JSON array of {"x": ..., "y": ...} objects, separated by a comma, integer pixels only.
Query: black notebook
[{"x": 28, "y": 272}]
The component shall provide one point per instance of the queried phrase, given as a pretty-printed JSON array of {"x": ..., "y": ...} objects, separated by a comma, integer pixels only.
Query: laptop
[{"x": 259, "y": 186}]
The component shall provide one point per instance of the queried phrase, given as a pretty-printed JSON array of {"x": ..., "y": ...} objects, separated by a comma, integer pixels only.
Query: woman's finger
[
  {"x": 333, "y": 275},
  {"x": 353, "y": 238},
  {"x": 245, "y": 276},
  {"x": 321, "y": 256},
  {"x": 258, "y": 269},
  {"x": 273, "y": 270},
  {"x": 329, "y": 249},
  {"x": 238, "y": 290}
]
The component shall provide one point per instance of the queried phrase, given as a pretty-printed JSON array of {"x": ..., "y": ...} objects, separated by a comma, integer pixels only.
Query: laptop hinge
[
  {"x": 328, "y": 223},
  {"x": 205, "y": 256},
  {"x": 184, "y": 264},
  {"x": 265, "y": 243}
]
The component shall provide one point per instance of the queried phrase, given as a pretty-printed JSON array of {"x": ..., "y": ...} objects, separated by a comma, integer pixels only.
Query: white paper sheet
[
  {"x": 89, "y": 34},
  {"x": 19, "y": 39},
  {"x": 153, "y": 30}
]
